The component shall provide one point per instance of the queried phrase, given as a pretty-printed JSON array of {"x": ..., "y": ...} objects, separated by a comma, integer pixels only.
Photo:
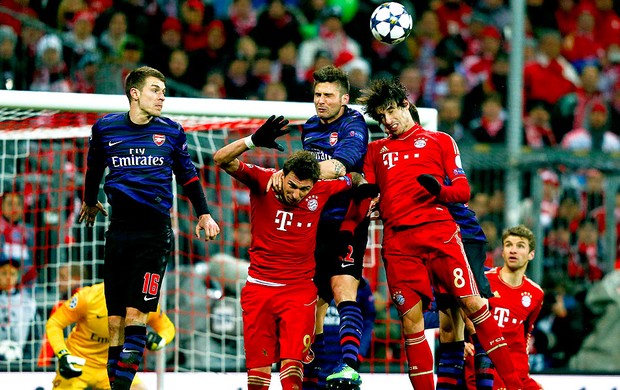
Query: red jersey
[
  {"x": 394, "y": 163},
  {"x": 516, "y": 310},
  {"x": 283, "y": 235}
]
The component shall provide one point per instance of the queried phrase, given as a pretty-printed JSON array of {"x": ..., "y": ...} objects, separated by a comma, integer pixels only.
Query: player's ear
[
  {"x": 345, "y": 99},
  {"x": 135, "y": 94}
]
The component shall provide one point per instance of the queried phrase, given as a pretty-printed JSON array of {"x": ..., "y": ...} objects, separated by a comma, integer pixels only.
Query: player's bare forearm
[
  {"x": 226, "y": 157},
  {"x": 332, "y": 169}
]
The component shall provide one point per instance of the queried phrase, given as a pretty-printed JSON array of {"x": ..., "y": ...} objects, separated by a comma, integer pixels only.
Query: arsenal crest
[
  {"x": 159, "y": 139},
  {"x": 333, "y": 138}
]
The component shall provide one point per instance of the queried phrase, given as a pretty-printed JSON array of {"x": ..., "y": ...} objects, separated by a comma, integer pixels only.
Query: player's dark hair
[
  {"x": 523, "y": 232},
  {"x": 331, "y": 74},
  {"x": 304, "y": 165},
  {"x": 137, "y": 77},
  {"x": 382, "y": 94}
]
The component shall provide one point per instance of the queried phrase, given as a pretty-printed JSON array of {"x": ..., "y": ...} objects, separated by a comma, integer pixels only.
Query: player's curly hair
[
  {"x": 382, "y": 94},
  {"x": 137, "y": 77},
  {"x": 331, "y": 74},
  {"x": 521, "y": 231},
  {"x": 304, "y": 165}
]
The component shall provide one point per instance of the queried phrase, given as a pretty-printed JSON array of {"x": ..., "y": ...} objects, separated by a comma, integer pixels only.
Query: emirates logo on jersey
[
  {"x": 313, "y": 203},
  {"x": 333, "y": 138},
  {"x": 526, "y": 299},
  {"x": 159, "y": 139}
]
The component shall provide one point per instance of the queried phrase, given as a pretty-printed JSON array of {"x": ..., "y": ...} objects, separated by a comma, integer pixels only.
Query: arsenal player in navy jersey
[
  {"x": 338, "y": 138},
  {"x": 279, "y": 298},
  {"x": 516, "y": 300},
  {"x": 422, "y": 245},
  {"x": 142, "y": 150}
]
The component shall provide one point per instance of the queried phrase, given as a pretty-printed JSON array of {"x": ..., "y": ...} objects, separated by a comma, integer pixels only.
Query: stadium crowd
[{"x": 455, "y": 60}]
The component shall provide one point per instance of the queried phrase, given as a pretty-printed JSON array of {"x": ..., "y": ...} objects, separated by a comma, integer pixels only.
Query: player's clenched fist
[{"x": 206, "y": 223}]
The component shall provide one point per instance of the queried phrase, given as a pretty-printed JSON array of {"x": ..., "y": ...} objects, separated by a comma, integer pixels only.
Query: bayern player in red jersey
[
  {"x": 279, "y": 298},
  {"x": 517, "y": 300},
  {"x": 419, "y": 234}
]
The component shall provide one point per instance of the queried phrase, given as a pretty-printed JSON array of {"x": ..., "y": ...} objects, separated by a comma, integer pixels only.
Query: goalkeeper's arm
[
  {"x": 163, "y": 330},
  {"x": 69, "y": 366}
]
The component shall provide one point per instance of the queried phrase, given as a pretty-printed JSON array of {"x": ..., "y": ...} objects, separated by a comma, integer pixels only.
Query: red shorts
[
  {"x": 407, "y": 277},
  {"x": 278, "y": 322},
  {"x": 446, "y": 260},
  {"x": 528, "y": 383}
]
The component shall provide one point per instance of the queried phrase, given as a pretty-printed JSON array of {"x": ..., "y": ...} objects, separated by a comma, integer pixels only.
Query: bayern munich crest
[
  {"x": 419, "y": 143},
  {"x": 159, "y": 139},
  {"x": 526, "y": 299},
  {"x": 398, "y": 298},
  {"x": 313, "y": 203}
]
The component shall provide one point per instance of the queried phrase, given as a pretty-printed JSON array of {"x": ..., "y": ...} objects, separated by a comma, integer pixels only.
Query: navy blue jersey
[
  {"x": 141, "y": 160},
  {"x": 346, "y": 140},
  {"x": 466, "y": 219}
]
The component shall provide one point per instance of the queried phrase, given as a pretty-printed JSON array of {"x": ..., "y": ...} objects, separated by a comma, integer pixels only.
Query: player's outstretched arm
[
  {"x": 266, "y": 135},
  {"x": 89, "y": 213},
  {"x": 210, "y": 227}
]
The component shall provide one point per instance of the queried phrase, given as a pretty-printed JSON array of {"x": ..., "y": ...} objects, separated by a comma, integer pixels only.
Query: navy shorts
[
  {"x": 327, "y": 262},
  {"x": 135, "y": 264}
]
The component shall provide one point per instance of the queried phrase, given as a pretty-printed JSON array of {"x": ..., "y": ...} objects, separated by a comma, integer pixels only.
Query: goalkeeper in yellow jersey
[{"x": 83, "y": 356}]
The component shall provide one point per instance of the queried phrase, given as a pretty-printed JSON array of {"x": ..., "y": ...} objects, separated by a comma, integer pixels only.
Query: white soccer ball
[
  {"x": 10, "y": 351},
  {"x": 391, "y": 23}
]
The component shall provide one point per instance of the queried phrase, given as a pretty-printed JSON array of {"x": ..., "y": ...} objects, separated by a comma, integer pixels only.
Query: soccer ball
[
  {"x": 10, "y": 351},
  {"x": 390, "y": 23}
]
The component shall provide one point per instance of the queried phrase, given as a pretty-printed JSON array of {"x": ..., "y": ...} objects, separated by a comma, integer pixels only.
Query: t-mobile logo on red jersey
[
  {"x": 283, "y": 219},
  {"x": 502, "y": 316},
  {"x": 390, "y": 159}
]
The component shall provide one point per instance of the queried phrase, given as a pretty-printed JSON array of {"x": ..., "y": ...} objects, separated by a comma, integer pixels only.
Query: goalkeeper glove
[
  {"x": 364, "y": 191},
  {"x": 69, "y": 366},
  {"x": 429, "y": 183},
  {"x": 266, "y": 135},
  {"x": 155, "y": 342}
]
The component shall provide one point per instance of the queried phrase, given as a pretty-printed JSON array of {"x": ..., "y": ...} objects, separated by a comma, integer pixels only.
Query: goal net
[{"x": 44, "y": 142}]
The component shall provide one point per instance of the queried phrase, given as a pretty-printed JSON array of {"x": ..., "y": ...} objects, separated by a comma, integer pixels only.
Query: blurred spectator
[
  {"x": 580, "y": 46},
  {"x": 566, "y": 16},
  {"x": 411, "y": 78},
  {"x": 572, "y": 109},
  {"x": 19, "y": 7},
  {"x": 449, "y": 121},
  {"x": 599, "y": 350},
  {"x": 214, "y": 86},
  {"x": 86, "y": 74},
  {"x": 51, "y": 73},
  {"x": 17, "y": 315},
  {"x": 491, "y": 126},
  {"x": 495, "y": 82},
  {"x": 194, "y": 25},
  {"x": 177, "y": 72},
  {"x": 239, "y": 82},
  {"x": 242, "y": 19},
  {"x": 322, "y": 58},
  {"x": 610, "y": 74},
  {"x": 17, "y": 237},
  {"x": 478, "y": 66},
  {"x": 216, "y": 54},
  {"x": 551, "y": 76},
  {"x": 310, "y": 19},
  {"x": 540, "y": 15},
  {"x": 592, "y": 191},
  {"x": 607, "y": 23},
  {"x": 275, "y": 91},
  {"x": 359, "y": 75},
  {"x": 12, "y": 75},
  {"x": 246, "y": 47},
  {"x": 333, "y": 39},
  {"x": 599, "y": 214},
  {"x": 497, "y": 12},
  {"x": 426, "y": 36},
  {"x": 276, "y": 26},
  {"x": 113, "y": 37},
  {"x": 242, "y": 239},
  {"x": 79, "y": 39},
  {"x": 447, "y": 57},
  {"x": 585, "y": 263},
  {"x": 453, "y": 16},
  {"x": 284, "y": 69},
  {"x": 596, "y": 136},
  {"x": 537, "y": 126},
  {"x": 67, "y": 11},
  {"x": 261, "y": 67},
  {"x": 158, "y": 53}
]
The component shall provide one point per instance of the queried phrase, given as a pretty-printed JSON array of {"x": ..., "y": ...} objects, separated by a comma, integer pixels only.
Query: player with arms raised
[{"x": 279, "y": 298}]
